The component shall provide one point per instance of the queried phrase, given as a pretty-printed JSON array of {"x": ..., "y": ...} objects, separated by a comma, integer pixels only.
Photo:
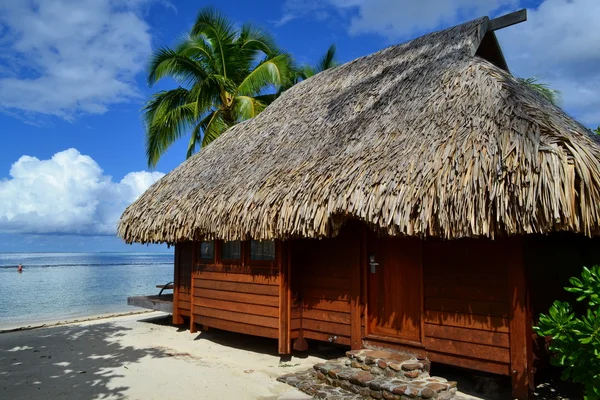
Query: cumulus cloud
[
  {"x": 70, "y": 57},
  {"x": 67, "y": 194},
  {"x": 560, "y": 43}
]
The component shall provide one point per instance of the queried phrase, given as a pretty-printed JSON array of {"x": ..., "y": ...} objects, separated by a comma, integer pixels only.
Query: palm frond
[
  {"x": 328, "y": 61},
  {"x": 200, "y": 50},
  {"x": 218, "y": 30},
  {"x": 273, "y": 71},
  {"x": 256, "y": 38},
  {"x": 247, "y": 107},
  {"x": 167, "y": 116},
  {"x": 212, "y": 126},
  {"x": 552, "y": 95},
  {"x": 206, "y": 94},
  {"x": 167, "y": 62}
]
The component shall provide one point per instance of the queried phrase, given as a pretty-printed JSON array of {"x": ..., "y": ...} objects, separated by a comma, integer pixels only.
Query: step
[
  {"x": 390, "y": 363},
  {"x": 372, "y": 374},
  {"x": 308, "y": 382}
]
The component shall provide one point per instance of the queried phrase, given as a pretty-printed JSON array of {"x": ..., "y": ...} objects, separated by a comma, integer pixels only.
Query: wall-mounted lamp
[{"x": 372, "y": 263}]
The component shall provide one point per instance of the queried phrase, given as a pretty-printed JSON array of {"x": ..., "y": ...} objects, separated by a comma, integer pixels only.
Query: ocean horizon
[{"x": 58, "y": 286}]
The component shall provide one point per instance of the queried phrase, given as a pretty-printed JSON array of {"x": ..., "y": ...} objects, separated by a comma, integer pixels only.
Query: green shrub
[{"x": 575, "y": 341}]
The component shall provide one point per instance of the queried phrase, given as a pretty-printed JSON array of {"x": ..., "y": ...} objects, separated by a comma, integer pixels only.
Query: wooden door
[{"x": 395, "y": 289}]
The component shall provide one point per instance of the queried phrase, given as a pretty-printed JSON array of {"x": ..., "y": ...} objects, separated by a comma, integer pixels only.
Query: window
[
  {"x": 264, "y": 251},
  {"x": 231, "y": 250},
  {"x": 207, "y": 251}
]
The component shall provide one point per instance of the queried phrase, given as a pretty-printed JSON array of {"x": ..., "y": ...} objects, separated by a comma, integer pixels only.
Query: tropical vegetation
[
  {"x": 544, "y": 89},
  {"x": 226, "y": 75},
  {"x": 576, "y": 336}
]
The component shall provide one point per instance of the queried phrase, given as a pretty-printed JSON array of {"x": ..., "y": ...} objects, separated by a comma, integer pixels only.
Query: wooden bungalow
[{"x": 409, "y": 199}]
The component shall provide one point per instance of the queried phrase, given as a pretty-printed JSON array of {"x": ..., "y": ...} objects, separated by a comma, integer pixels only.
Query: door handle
[{"x": 374, "y": 266}]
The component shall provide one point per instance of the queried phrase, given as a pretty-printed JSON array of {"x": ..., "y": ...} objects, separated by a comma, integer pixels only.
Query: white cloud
[
  {"x": 399, "y": 19},
  {"x": 70, "y": 57},
  {"x": 68, "y": 194},
  {"x": 560, "y": 42},
  {"x": 396, "y": 19}
]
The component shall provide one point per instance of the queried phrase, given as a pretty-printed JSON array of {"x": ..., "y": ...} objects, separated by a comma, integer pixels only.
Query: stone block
[
  {"x": 356, "y": 364},
  {"x": 376, "y": 371},
  {"x": 411, "y": 374},
  {"x": 411, "y": 366},
  {"x": 361, "y": 378},
  {"x": 427, "y": 393},
  {"x": 378, "y": 353},
  {"x": 376, "y": 394},
  {"x": 346, "y": 385},
  {"x": 369, "y": 360},
  {"x": 437, "y": 387},
  {"x": 375, "y": 385},
  {"x": 390, "y": 396},
  {"x": 364, "y": 391},
  {"x": 320, "y": 375},
  {"x": 401, "y": 389},
  {"x": 400, "y": 358},
  {"x": 395, "y": 366},
  {"x": 333, "y": 372},
  {"x": 382, "y": 364}
]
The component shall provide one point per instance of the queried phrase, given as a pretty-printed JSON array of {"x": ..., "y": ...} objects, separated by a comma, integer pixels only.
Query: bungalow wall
[
  {"x": 182, "y": 281},
  {"x": 466, "y": 318},
  {"x": 236, "y": 295},
  {"x": 459, "y": 302},
  {"x": 321, "y": 281}
]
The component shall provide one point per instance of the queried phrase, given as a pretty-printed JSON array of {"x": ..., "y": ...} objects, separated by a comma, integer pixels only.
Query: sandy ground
[{"x": 141, "y": 357}]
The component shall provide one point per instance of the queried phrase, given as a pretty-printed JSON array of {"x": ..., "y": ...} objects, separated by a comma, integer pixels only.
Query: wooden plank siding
[
  {"x": 466, "y": 304},
  {"x": 322, "y": 284},
  {"x": 240, "y": 298},
  {"x": 183, "y": 278}
]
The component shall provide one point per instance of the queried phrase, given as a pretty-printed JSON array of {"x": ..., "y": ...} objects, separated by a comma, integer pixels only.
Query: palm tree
[
  {"x": 225, "y": 75},
  {"x": 328, "y": 61},
  {"x": 298, "y": 74},
  {"x": 544, "y": 89},
  {"x": 597, "y": 131}
]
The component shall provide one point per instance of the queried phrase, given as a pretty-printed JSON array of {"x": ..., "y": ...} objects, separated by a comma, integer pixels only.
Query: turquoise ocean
[{"x": 63, "y": 286}]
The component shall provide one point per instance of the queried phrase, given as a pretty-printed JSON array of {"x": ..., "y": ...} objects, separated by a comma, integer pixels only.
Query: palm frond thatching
[{"x": 423, "y": 139}]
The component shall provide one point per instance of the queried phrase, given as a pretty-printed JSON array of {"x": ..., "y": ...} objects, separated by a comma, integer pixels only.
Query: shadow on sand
[{"x": 67, "y": 362}]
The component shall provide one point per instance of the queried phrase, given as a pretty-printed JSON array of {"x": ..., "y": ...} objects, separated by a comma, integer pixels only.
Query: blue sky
[{"x": 72, "y": 83}]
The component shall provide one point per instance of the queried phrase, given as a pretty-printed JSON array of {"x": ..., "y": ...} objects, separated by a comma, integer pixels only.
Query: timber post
[
  {"x": 521, "y": 355},
  {"x": 285, "y": 344},
  {"x": 177, "y": 318},
  {"x": 193, "y": 327}
]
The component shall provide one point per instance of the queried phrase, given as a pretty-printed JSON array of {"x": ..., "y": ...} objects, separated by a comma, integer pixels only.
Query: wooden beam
[
  {"x": 177, "y": 318},
  {"x": 508, "y": 20},
  {"x": 285, "y": 332},
  {"x": 355, "y": 289},
  {"x": 193, "y": 327},
  {"x": 521, "y": 356}
]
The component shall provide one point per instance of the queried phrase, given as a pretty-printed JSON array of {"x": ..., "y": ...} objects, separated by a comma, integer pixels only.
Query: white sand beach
[{"x": 141, "y": 356}]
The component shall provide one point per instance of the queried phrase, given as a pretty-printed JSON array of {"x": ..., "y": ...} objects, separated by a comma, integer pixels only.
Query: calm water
[{"x": 57, "y": 286}]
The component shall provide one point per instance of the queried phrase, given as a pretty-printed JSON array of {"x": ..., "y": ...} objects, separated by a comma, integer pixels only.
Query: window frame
[
  {"x": 264, "y": 263},
  {"x": 205, "y": 261},
  {"x": 231, "y": 261}
]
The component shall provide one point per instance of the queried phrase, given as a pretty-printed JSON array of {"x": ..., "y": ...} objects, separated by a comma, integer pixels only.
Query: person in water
[{"x": 20, "y": 268}]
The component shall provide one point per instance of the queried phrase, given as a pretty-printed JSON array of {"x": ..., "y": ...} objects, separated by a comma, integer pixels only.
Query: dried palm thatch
[{"x": 425, "y": 139}]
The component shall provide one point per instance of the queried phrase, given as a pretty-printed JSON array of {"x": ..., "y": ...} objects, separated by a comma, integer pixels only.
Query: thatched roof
[{"x": 426, "y": 138}]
